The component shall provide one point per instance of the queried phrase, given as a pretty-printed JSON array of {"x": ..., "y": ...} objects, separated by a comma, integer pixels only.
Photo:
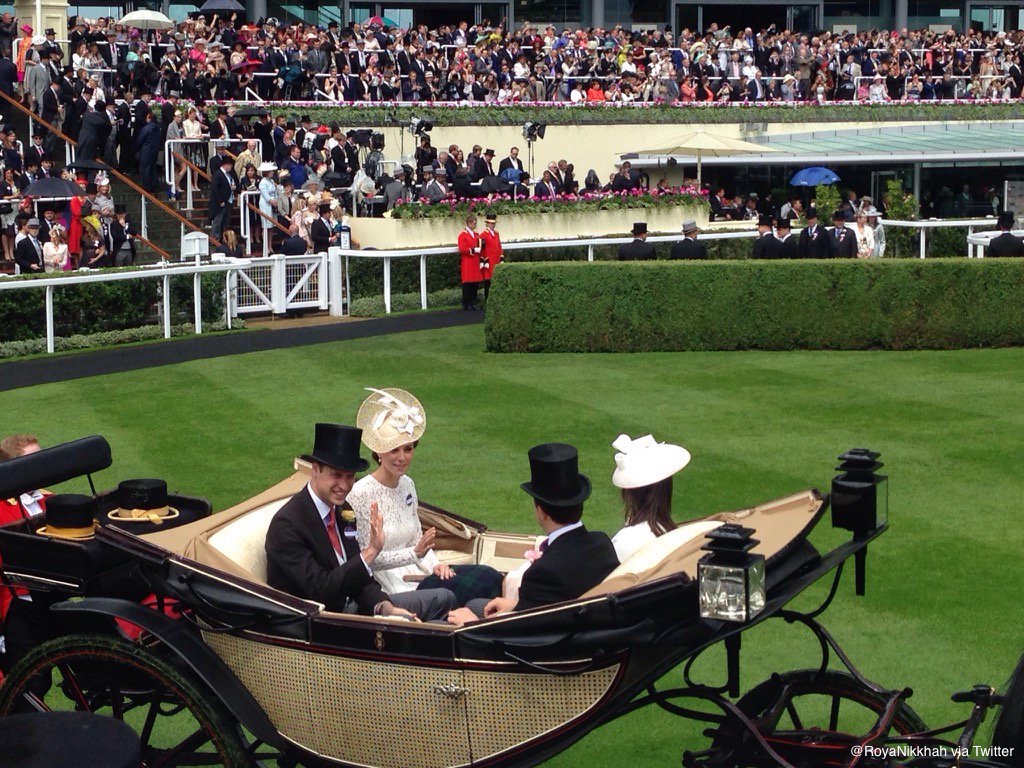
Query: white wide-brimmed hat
[
  {"x": 645, "y": 461},
  {"x": 266, "y": 168},
  {"x": 390, "y": 418}
]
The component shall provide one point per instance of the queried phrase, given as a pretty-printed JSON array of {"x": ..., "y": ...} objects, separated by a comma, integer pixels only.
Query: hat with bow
[
  {"x": 644, "y": 461},
  {"x": 390, "y": 418}
]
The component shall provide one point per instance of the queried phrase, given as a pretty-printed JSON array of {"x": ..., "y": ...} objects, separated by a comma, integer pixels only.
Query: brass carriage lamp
[
  {"x": 860, "y": 496},
  {"x": 730, "y": 577}
]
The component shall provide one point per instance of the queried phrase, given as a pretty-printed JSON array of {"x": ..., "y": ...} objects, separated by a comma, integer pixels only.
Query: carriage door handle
[{"x": 450, "y": 690}]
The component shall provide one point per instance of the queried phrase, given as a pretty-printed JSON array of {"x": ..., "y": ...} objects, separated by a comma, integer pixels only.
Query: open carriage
[{"x": 213, "y": 666}]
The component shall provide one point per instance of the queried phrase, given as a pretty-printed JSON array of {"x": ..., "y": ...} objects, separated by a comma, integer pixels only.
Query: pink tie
[{"x": 332, "y": 534}]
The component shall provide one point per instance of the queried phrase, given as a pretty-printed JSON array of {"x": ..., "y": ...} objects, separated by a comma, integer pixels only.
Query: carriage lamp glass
[
  {"x": 730, "y": 577},
  {"x": 860, "y": 496}
]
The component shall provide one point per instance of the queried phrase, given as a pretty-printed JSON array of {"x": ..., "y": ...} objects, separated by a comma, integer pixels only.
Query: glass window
[
  {"x": 871, "y": 8},
  {"x": 553, "y": 11},
  {"x": 649, "y": 12}
]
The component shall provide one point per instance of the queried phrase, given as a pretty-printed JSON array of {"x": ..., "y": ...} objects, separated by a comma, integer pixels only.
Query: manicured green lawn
[{"x": 945, "y": 585}]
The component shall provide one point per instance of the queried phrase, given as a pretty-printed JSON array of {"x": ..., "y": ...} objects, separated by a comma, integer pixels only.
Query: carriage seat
[
  {"x": 662, "y": 557},
  {"x": 243, "y": 540}
]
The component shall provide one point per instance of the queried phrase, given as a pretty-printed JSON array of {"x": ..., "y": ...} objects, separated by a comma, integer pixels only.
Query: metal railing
[{"x": 162, "y": 272}]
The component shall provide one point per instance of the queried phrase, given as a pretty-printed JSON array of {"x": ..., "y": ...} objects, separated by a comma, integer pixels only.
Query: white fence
[
  {"x": 386, "y": 257},
  {"x": 280, "y": 283},
  {"x": 163, "y": 272}
]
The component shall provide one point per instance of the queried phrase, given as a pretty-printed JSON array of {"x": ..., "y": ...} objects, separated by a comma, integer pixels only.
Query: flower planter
[{"x": 386, "y": 234}]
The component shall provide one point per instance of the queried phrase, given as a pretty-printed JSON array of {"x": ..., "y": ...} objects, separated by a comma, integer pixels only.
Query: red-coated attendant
[
  {"x": 26, "y": 506},
  {"x": 469, "y": 250},
  {"x": 490, "y": 255}
]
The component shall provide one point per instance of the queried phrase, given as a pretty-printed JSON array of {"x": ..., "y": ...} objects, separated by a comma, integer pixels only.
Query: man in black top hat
[
  {"x": 814, "y": 241},
  {"x": 573, "y": 559},
  {"x": 312, "y": 556},
  {"x": 789, "y": 244},
  {"x": 765, "y": 245},
  {"x": 639, "y": 249},
  {"x": 1006, "y": 244},
  {"x": 842, "y": 240}
]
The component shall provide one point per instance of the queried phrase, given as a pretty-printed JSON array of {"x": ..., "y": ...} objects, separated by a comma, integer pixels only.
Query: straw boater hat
[
  {"x": 70, "y": 516},
  {"x": 390, "y": 418},
  {"x": 142, "y": 501},
  {"x": 645, "y": 461}
]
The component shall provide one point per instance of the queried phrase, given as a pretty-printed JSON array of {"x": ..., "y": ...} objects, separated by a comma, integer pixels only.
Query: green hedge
[
  {"x": 378, "y": 116},
  {"x": 100, "y": 307},
  {"x": 650, "y": 306}
]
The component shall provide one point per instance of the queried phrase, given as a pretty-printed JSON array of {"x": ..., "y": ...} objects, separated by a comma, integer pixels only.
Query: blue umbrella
[{"x": 812, "y": 177}]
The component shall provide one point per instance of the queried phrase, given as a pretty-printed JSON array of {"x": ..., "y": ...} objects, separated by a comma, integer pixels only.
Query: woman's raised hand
[{"x": 426, "y": 542}]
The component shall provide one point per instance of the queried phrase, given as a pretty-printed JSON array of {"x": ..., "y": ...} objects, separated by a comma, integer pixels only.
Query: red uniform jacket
[
  {"x": 468, "y": 240},
  {"x": 10, "y": 510},
  {"x": 491, "y": 242}
]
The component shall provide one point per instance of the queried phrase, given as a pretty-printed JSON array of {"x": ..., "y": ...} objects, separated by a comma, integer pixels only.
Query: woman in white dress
[
  {"x": 643, "y": 470},
  {"x": 393, "y": 421},
  {"x": 865, "y": 236},
  {"x": 55, "y": 251}
]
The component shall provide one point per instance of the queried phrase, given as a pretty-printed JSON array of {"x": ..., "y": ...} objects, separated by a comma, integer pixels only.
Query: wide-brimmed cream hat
[
  {"x": 390, "y": 418},
  {"x": 645, "y": 461}
]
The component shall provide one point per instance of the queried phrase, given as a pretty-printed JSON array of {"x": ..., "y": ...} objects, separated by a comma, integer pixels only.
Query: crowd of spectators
[{"x": 228, "y": 59}]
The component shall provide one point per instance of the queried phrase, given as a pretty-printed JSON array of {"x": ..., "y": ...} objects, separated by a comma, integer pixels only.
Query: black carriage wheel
[
  {"x": 178, "y": 720},
  {"x": 822, "y": 709}
]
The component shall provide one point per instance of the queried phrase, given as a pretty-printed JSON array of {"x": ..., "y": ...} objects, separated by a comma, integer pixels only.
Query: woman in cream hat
[
  {"x": 393, "y": 421},
  {"x": 643, "y": 470}
]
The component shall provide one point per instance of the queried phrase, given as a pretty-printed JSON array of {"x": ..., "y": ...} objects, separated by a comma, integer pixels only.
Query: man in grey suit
[
  {"x": 311, "y": 555},
  {"x": 396, "y": 192}
]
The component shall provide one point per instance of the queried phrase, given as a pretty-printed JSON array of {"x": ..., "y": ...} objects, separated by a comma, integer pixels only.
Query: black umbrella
[
  {"x": 215, "y": 6},
  {"x": 53, "y": 188},
  {"x": 88, "y": 165},
  {"x": 494, "y": 184}
]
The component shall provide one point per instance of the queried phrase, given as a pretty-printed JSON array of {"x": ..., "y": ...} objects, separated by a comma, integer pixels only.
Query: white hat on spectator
[
  {"x": 38, "y": 40},
  {"x": 645, "y": 461},
  {"x": 267, "y": 168}
]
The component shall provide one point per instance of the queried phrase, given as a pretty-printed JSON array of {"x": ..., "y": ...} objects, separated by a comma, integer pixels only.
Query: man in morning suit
[
  {"x": 573, "y": 559},
  {"x": 842, "y": 240},
  {"x": 765, "y": 244},
  {"x": 639, "y": 249},
  {"x": 688, "y": 247},
  {"x": 28, "y": 253},
  {"x": 321, "y": 230},
  {"x": 789, "y": 244},
  {"x": 1005, "y": 244},
  {"x": 814, "y": 241},
  {"x": 223, "y": 191},
  {"x": 308, "y": 556}
]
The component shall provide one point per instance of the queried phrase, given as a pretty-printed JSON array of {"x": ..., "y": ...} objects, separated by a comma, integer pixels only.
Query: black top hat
[
  {"x": 812, "y": 213},
  {"x": 1005, "y": 220},
  {"x": 838, "y": 215},
  {"x": 640, "y": 228},
  {"x": 555, "y": 478},
  {"x": 70, "y": 516},
  {"x": 305, "y": 119},
  {"x": 764, "y": 220},
  {"x": 337, "y": 445},
  {"x": 489, "y": 152},
  {"x": 784, "y": 222}
]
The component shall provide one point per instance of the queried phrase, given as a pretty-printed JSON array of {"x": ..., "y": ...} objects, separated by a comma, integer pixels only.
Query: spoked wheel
[
  {"x": 178, "y": 720},
  {"x": 822, "y": 717}
]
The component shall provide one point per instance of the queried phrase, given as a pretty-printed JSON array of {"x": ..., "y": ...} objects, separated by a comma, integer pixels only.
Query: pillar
[
  {"x": 40, "y": 14},
  {"x": 901, "y": 15}
]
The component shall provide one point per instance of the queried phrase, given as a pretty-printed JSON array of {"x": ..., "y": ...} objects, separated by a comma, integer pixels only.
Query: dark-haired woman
[{"x": 643, "y": 470}]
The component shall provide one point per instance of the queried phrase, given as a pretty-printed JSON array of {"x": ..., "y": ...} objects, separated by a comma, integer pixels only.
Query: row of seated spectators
[{"x": 226, "y": 58}]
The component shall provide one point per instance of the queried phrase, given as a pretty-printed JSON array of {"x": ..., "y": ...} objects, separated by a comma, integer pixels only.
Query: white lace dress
[{"x": 402, "y": 530}]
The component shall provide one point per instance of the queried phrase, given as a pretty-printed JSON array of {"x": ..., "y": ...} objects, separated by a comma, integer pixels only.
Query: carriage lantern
[
  {"x": 730, "y": 577},
  {"x": 860, "y": 496}
]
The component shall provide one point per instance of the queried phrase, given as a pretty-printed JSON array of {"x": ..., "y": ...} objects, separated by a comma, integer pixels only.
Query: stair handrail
[
  {"x": 271, "y": 219},
  {"x": 153, "y": 247},
  {"x": 192, "y": 165},
  {"x": 131, "y": 184}
]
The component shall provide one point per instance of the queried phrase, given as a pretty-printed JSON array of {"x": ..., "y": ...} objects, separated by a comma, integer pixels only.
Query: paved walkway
[{"x": 46, "y": 370}]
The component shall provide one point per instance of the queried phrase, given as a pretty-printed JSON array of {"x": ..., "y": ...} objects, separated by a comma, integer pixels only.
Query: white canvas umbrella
[
  {"x": 701, "y": 144},
  {"x": 147, "y": 20}
]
